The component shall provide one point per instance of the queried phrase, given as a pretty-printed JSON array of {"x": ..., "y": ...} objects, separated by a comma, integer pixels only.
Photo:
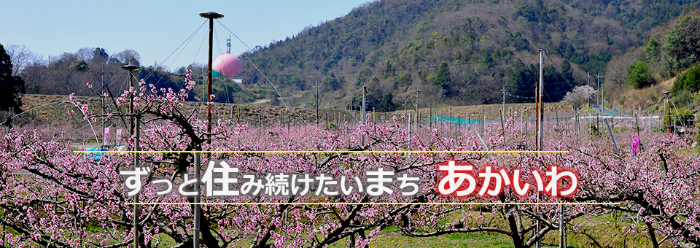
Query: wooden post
[
  {"x": 636, "y": 121},
  {"x": 468, "y": 120},
  {"x": 409, "y": 132},
  {"x": 450, "y": 116},
  {"x": 483, "y": 122},
  {"x": 430, "y": 117},
  {"x": 527, "y": 119},
  {"x": 562, "y": 228},
  {"x": 651, "y": 125},
  {"x": 503, "y": 127}
]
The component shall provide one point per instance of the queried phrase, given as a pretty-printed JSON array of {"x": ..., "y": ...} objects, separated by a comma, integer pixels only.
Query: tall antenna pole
[
  {"x": 211, "y": 16},
  {"x": 228, "y": 45}
]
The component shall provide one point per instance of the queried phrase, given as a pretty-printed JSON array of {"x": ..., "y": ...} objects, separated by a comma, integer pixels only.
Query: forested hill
[{"x": 456, "y": 52}]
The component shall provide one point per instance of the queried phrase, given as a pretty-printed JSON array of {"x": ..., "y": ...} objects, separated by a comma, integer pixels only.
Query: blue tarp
[
  {"x": 452, "y": 120},
  {"x": 94, "y": 155},
  {"x": 608, "y": 112},
  {"x": 618, "y": 112}
]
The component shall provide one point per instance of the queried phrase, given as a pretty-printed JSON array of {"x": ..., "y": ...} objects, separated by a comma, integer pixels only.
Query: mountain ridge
[{"x": 393, "y": 47}]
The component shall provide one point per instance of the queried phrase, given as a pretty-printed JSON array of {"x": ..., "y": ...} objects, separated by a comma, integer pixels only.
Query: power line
[
  {"x": 256, "y": 67},
  {"x": 394, "y": 70},
  {"x": 178, "y": 47},
  {"x": 188, "y": 40}
]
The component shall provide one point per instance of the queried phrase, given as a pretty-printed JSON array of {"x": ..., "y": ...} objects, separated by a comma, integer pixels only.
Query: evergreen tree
[
  {"x": 12, "y": 86},
  {"x": 638, "y": 75},
  {"x": 442, "y": 77}
]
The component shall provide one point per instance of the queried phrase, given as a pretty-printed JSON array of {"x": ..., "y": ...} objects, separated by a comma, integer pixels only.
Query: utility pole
[
  {"x": 589, "y": 84},
  {"x": 364, "y": 89},
  {"x": 211, "y": 16},
  {"x": 417, "y": 113},
  {"x": 405, "y": 105},
  {"x": 131, "y": 69},
  {"x": 668, "y": 111},
  {"x": 409, "y": 134},
  {"x": 599, "y": 77},
  {"x": 504, "y": 99},
  {"x": 538, "y": 99},
  {"x": 316, "y": 102},
  {"x": 538, "y": 139},
  {"x": 102, "y": 102},
  {"x": 597, "y": 98}
]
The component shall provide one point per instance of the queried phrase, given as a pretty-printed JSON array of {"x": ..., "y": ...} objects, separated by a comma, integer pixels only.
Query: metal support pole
[
  {"x": 197, "y": 199},
  {"x": 211, "y": 16},
  {"x": 137, "y": 167},
  {"x": 562, "y": 241},
  {"x": 612, "y": 137}
]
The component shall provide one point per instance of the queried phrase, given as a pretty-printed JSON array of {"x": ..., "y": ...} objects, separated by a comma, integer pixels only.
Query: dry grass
[{"x": 646, "y": 97}]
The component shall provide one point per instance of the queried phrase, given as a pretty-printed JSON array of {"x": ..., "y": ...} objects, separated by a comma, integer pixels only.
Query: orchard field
[{"x": 51, "y": 196}]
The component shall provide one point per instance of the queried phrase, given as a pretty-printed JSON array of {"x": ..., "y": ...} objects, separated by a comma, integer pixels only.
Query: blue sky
[{"x": 156, "y": 28}]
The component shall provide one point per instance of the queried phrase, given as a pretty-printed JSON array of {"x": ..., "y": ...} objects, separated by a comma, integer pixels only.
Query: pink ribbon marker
[
  {"x": 635, "y": 145},
  {"x": 106, "y": 136}
]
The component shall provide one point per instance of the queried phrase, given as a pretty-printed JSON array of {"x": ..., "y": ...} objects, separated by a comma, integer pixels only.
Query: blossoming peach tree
[{"x": 53, "y": 197}]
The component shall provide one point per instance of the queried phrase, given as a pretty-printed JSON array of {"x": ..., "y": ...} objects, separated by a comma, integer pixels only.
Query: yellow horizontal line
[
  {"x": 372, "y": 203},
  {"x": 321, "y": 151}
]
